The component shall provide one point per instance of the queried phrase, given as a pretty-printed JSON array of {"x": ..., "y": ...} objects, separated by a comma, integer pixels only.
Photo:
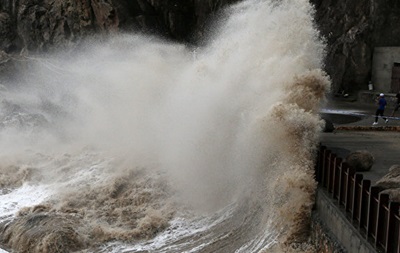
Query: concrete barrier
[{"x": 334, "y": 219}]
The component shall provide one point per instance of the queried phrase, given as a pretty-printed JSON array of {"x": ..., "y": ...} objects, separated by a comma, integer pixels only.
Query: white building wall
[{"x": 382, "y": 64}]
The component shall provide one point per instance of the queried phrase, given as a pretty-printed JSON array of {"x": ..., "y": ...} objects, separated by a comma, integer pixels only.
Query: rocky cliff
[
  {"x": 352, "y": 29},
  {"x": 41, "y": 25}
]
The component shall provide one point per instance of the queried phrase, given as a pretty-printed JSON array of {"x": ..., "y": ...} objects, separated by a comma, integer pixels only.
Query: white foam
[{"x": 25, "y": 196}]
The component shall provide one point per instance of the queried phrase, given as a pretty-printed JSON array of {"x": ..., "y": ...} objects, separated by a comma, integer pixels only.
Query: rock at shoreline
[
  {"x": 360, "y": 160},
  {"x": 391, "y": 179}
]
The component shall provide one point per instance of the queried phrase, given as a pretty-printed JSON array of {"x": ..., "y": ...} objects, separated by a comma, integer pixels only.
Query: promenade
[
  {"x": 354, "y": 131},
  {"x": 351, "y": 222}
]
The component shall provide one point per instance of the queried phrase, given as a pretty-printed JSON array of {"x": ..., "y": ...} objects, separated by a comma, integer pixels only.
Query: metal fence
[{"x": 371, "y": 212}]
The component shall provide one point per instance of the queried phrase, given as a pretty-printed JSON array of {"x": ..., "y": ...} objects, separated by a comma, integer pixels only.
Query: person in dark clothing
[
  {"x": 396, "y": 107},
  {"x": 381, "y": 109}
]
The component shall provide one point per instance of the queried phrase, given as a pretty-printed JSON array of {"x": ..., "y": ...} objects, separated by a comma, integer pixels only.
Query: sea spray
[
  {"x": 300, "y": 136},
  {"x": 130, "y": 134}
]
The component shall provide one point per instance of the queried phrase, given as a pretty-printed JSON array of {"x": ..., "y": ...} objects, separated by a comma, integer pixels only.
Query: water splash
[{"x": 129, "y": 134}]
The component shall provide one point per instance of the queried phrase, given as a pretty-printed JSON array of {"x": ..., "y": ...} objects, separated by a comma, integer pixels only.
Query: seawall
[{"x": 332, "y": 231}]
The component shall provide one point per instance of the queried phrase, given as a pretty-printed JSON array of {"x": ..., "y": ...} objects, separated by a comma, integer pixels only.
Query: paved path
[{"x": 354, "y": 131}]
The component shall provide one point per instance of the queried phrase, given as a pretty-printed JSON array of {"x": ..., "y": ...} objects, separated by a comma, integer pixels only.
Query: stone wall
[{"x": 322, "y": 239}]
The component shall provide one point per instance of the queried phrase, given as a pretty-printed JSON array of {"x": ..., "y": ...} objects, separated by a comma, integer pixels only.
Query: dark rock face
[
  {"x": 41, "y": 25},
  {"x": 352, "y": 30},
  {"x": 37, "y": 26}
]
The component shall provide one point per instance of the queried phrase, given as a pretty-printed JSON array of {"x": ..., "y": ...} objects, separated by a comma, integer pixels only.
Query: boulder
[
  {"x": 391, "y": 180},
  {"x": 360, "y": 160},
  {"x": 394, "y": 194},
  {"x": 328, "y": 127}
]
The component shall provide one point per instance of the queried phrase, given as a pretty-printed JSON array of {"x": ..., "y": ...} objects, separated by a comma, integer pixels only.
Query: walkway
[{"x": 357, "y": 133}]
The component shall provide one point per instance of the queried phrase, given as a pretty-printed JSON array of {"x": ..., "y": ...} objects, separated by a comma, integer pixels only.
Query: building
[{"x": 386, "y": 69}]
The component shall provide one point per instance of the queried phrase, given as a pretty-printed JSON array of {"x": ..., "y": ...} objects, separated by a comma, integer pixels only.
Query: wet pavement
[{"x": 352, "y": 121}]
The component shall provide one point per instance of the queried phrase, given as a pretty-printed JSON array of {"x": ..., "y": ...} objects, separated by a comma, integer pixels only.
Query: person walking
[
  {"x": 381, "y": 109},
  {"x": 396, "y": 107}
]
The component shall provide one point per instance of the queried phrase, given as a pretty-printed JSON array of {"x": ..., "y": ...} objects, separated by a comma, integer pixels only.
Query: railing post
[
  {"x": 331, "y": 169},
  {"x": 365, "y": 185},
  {"x": 348, "y": 196},
  {"x": 320, "y": 163},
  {"x": 398, "y": 243},
  {"x": 325, "y": 164},
  {"x": 336, "y": 178},
  {"x": 331, "y": 163},
  {"x": 342, "y": 182},
  {"x": 356, "y": 197},
  {"x": 392, "y": 221},
  {"x": 381, "y": 222},
  {"x": 372, "y": 211}
]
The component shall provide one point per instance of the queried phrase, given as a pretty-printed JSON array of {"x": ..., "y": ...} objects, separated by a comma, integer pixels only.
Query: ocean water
[{"x": 135, "y": 144}]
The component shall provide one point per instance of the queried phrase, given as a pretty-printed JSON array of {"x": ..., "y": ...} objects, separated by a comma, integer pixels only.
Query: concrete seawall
[{"x": 344, "y": 237}]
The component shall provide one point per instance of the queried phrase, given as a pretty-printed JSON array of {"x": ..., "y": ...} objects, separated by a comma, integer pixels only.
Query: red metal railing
[{"x": 377, "y": 218}]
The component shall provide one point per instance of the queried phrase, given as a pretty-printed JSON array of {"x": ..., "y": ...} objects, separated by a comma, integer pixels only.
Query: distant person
[
  {"x": 381, "y": 108},
  {"x": 396, "y": 107}
]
